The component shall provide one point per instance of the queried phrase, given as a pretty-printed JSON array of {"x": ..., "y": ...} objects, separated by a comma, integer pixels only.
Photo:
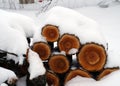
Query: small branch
[{"x": 8, "y": 52}]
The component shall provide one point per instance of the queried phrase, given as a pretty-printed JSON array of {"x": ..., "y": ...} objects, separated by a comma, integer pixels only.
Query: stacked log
[
  {"x": 76, "y": 72},
  {"x": 90, "y": 57},
  {"x": 52, "y": 79}
]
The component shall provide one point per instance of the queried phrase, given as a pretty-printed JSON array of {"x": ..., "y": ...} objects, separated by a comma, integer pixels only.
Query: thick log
[
  {"x": 43, "y": 49},
  {"x": 92, "y": 57},
  {"x": 52, "y": 79},
  {"x": 59, "y": 64},
  {"x": 106, "y": 71},
  {"x": 78, "y": 72},
  {"x": 68, "y": 42}
]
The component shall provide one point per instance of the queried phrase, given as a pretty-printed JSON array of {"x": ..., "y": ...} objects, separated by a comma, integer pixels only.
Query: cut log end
[
  {"x": 51, "y": 33},
  {"x": 43, "y": 49},
  {"x": 106, "y": 72},
  {"x": 59, "y": 63},
  {"x": 78, "y": 72},
  {"x": 92, "y": 57},
  {"x": 68, "y": 42},
  {"x": 52, "y": 79}
]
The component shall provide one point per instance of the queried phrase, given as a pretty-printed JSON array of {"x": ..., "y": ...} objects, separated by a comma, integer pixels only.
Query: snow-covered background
[{"x": 109, "y": 20}]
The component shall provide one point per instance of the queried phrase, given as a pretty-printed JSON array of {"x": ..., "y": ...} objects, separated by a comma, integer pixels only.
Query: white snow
[
  {"x": 36, "y": 67},
  {"x": 109, "y": 20},
  {"x": 12, "y": 40},
  {"x": 72, "y": 51},
  {"x": 109, "y": 80},
  {"x": 20, "y": 22},
  {"x": 3, "y": 84},
  {"x": 72, "y": 22},
  {"x": 7, "y": 75}
]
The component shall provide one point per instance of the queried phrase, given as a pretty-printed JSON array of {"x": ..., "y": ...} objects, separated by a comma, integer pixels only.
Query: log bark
[
  {"x": 68, "y": 42},
  {"x": 92, "y": 57},
  {"x": 38, "y": 81},
  {"x": 43, "y": 49}
]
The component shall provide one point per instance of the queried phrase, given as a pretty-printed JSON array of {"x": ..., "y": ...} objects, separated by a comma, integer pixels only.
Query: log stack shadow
[{"x": 89, "y": 62}]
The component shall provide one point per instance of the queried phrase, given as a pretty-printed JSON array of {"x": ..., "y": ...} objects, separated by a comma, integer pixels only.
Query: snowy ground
[{"x": 109, "y": 20}]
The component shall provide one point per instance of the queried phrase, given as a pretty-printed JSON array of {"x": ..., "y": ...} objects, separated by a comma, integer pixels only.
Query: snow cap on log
[
  {"x": 36, "y": 67},
  {"x": 7, "y": 75},
  {"x": 70, "y": 21},
  {"x": 12, "y": 40}
]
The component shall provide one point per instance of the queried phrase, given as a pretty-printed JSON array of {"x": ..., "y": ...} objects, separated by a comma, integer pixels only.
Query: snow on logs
[
  {"x": 78, "y": 35},
  {"x": 13, "y": 41}
]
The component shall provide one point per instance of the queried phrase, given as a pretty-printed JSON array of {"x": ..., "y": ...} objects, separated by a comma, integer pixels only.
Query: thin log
[
  {"x": 8, "y": 52},
  {"x": 92, "y": 57}
]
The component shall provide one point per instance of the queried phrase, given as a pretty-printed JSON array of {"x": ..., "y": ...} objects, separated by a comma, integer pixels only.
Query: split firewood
[
  {"x": 78, "y": 72},
  {"x": 43, "y": 49},
  {"x": 51, "y": 33},
  {"x": 106, "y": 71},
  {"x": 52, "y": 79},
  {"x": 92, "y": 57},
  {"x": 59, "y": 64}
]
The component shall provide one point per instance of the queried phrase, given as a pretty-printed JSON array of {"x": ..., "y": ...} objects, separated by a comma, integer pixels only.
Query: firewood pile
[
  {"x": 61, "y": 66},
  {"x": 70, "y": 50}
]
